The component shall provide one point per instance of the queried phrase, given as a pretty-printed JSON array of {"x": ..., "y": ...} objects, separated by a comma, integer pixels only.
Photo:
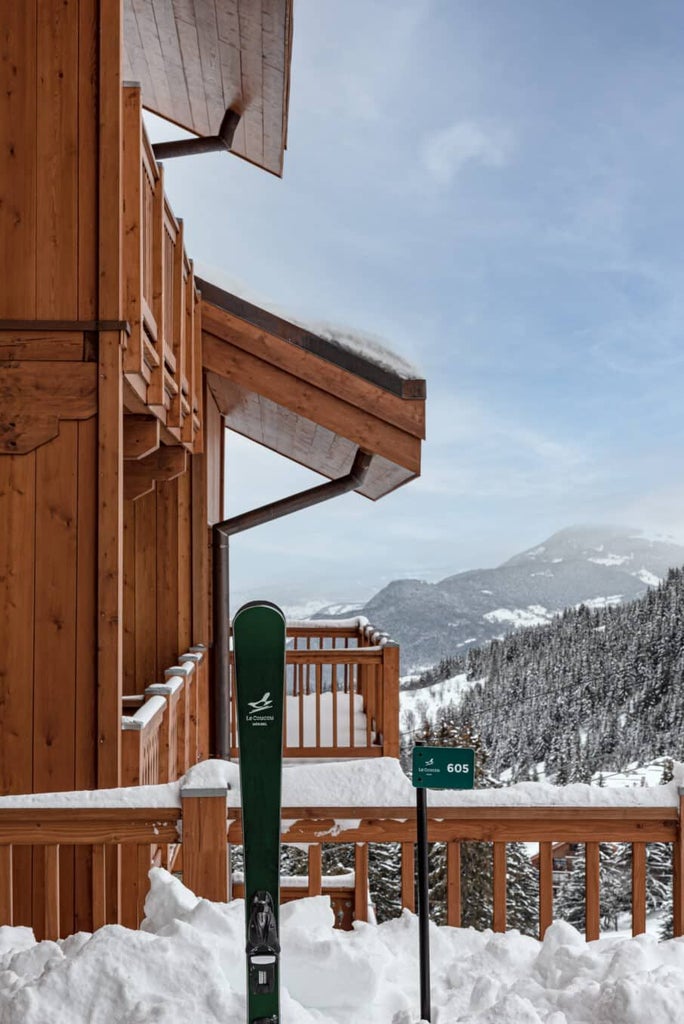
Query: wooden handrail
[
  {"x": 484, "y": 824},
  {"x": 85, "y": 826},
  {"x": 335, "y": 656}
]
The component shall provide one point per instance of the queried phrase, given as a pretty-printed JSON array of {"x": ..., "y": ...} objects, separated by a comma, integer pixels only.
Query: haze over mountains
[{"x": 582, "y": 564}]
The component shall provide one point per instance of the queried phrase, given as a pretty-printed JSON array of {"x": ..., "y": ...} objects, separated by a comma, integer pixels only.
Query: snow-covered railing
[
  {"x": 328, "y": 804},
  {"x": 342, "y": 688},
  {"x": 124, "y": 828},
  {"x": 105, "y": 831},
  {"x": 161, "y": 739},
  {"x": 498, "y": 826}
]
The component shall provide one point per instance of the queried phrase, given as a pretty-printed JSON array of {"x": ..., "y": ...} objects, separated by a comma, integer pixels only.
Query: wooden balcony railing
[
  {"x": 162, "y": 361},
  {"x": 209, "y": 826},
  {"x": 342, "y": 686},
  {"x": 497, "y": 826},
  {"x": 161, "y": 731}
]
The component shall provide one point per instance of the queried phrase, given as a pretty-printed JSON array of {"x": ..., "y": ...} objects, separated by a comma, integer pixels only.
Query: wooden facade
[
  {"x": 117, "y": 380},
  {"x": 118, "y": 374}
]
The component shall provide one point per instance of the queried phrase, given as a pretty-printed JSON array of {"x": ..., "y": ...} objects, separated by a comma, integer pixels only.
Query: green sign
[{"x": 443, "y": 768}]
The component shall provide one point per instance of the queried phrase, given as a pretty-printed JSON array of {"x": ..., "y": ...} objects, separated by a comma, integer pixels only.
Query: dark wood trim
[
  {"x": 65, "y": 325},
  {"x": 346, "y": 360}
]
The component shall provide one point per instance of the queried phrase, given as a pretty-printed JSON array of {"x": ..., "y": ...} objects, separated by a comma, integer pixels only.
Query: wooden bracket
[
  {"x": 140, "y": 436},
  {"x": 35, "y": 396},
  {"x": 140, "y": 475}
]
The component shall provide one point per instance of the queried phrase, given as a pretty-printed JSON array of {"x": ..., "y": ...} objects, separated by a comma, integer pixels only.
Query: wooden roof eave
[
  {"x": 195, "y": 61},
  {"x": 309, "y": 407}
]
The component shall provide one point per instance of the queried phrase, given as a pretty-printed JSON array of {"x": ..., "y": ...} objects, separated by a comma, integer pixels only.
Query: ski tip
[{"x": 266, "y": 605}]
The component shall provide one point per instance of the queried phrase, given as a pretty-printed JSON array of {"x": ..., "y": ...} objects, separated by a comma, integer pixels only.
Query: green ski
[{"x": 259, "y": 646}]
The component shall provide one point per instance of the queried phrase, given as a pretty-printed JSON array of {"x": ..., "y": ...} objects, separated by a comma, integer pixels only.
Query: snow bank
[{"x": 187, "y": 964}]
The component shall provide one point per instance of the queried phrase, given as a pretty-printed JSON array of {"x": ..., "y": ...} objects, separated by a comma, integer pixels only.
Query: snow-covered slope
[{"x": 590, "y": 564}]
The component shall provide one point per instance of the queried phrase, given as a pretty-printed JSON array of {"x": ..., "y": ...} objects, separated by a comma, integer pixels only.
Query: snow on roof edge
[{"x": 366, "y": 345}]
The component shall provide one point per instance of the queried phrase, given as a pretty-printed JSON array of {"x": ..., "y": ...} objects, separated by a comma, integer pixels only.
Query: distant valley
[{"x": 594, "y": 565}]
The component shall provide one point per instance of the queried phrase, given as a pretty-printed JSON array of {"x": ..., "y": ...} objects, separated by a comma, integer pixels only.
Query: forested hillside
[{"x": 595, "y": 690}]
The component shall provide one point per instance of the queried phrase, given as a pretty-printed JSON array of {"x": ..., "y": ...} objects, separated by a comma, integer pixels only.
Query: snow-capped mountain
[{"x": 596, "y": 565}]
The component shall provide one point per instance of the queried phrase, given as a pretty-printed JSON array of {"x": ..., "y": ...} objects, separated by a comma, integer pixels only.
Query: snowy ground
[{"x": 187, "y": 964}]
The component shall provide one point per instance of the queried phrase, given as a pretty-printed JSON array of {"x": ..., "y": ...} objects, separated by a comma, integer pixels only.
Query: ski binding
[{"x": 263, "y": 947}]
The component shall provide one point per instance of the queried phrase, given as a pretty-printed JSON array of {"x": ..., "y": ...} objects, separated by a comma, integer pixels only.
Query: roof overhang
[
  {"x": 196, "y": 59},
  {"x": 307, "y": 398}
]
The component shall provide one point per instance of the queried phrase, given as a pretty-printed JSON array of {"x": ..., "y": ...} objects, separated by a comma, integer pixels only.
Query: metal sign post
[{"x": 433, "y": 768}]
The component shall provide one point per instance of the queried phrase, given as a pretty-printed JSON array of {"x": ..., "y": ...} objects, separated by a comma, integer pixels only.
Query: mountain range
[{"x": 594, "y": 565}]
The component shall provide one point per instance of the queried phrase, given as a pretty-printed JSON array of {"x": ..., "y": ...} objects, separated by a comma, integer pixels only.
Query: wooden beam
[
  {"x": 362, "y": 426},
  {"x": 498, "y": 824},
  {"x": 110, "y": 402},
  {"x": 164, "y": 464},
  {"x": 545, "y": 887},
  {"x": 21, "y": 346},
  {"x": 299, "y": 352},
  {"x": 638, "y": 888},
  {"x": 499, "y": 887},
  {"x": 140, "y": 436},
  {"x": 592, "y": 926}
]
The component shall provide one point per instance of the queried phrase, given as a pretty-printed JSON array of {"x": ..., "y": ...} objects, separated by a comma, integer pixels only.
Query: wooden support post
[
  {"x": 196, "y": 659},
  {"x": 99, "y": 887},
  {"x": 184, "y": 672},
  {"x": 638, "y": 888},
  {"x": 202, "y": 689},
  {"x": 51, "y": 911},
  {"x": 408, "y": 877},
  {"x": 592, "y": 896},
  {"x": 678, "y": 872},
  {"x": 499, "y": 887},
  {"x": 144, "y": 863},
  {"x": 110, "y": 397},
  {"x": 545, "y": 887},
  {"x": 129, "y": 886},
  {"x": 131, "y": 757},
  {"x": 390, "y": 699},
  {"x": 6, "y": 898},
  {"x": 454, "y": 883},
  {"x": 361, "y": 882},
  {"x": 205, "y": 846},
  {"x": 315, "y": 869}
]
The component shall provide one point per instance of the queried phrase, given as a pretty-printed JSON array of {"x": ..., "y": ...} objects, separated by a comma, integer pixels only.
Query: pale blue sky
[{"x": 494, "y": 187}]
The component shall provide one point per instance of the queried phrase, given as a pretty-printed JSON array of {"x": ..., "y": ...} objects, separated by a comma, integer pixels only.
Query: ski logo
[
  {"x": 256, "y": 714},
  {"x": 263, "y": 704}
]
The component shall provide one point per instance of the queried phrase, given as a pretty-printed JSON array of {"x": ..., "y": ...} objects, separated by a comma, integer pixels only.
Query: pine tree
[
  {"x": 571, "y": 901},
  {"x": 384, "y": 873},
  {"x": 476, "y": 857},
  {"x": 522, "y": 890}
]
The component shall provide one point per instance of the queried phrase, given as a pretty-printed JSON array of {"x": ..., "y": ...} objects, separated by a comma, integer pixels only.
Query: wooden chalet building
[{"x": 119, "y": 372}]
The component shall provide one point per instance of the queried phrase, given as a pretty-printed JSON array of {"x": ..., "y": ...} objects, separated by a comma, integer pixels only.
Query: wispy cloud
[
  {"x": 482, "y": 453},
  {"x": 447, "y": 151}
]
